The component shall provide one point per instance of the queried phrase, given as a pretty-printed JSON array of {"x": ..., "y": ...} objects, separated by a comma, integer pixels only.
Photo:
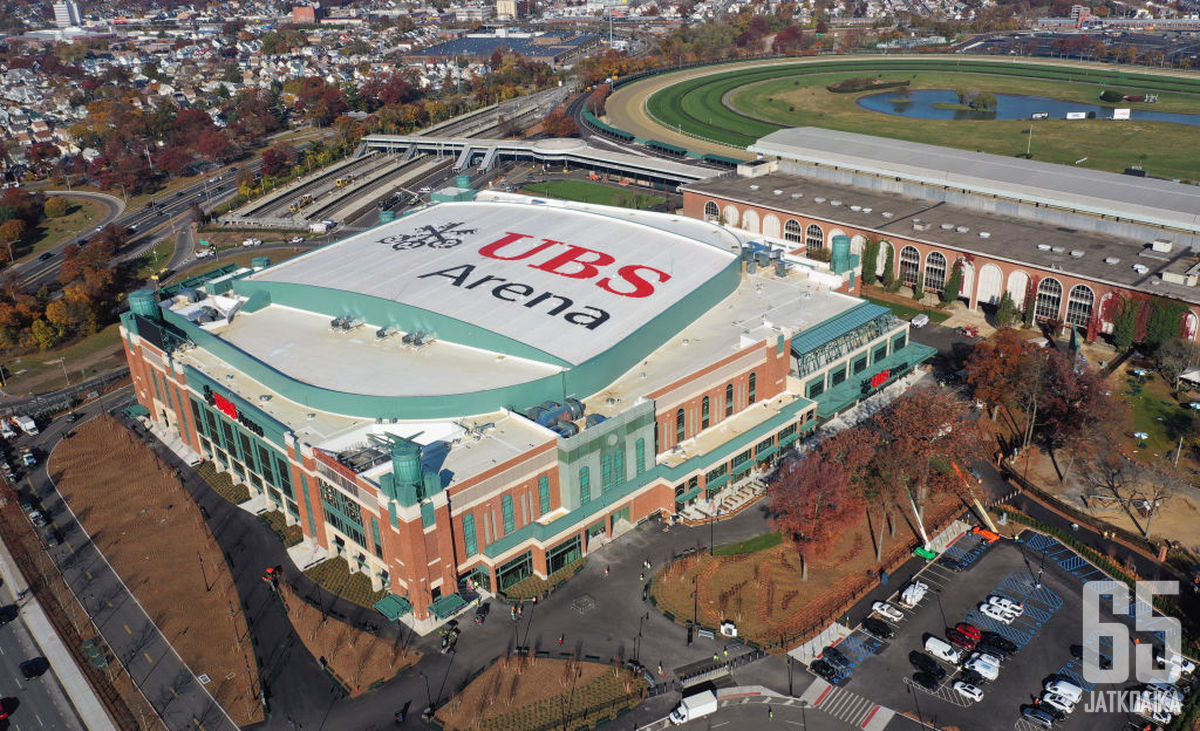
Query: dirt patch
[
  {"x": 763, "y": 592},
  {"x": 147, "y": 526},
  {"x": 359, "y": 660},
  {"x": 540, "y": 692}
]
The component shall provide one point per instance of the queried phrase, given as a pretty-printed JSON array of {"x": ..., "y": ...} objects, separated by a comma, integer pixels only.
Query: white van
[
  {"x": 943, "y": 650},
  {"x": 1066, "y": 689}
]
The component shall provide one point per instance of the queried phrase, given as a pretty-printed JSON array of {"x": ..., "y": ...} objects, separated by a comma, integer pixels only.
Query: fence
[{"x": 55, "y": 402}]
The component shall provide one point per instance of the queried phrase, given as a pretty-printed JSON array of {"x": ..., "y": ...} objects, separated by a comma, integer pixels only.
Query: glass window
[
  {"x": 935, "y": 272},
  {"x": 606, "y": 473},
  {"x": 837, "y": 375},
  {"x": 860, "y": 364},
  {"x": 680, "y": 426},
  {"x": 619, "y": 465},
  {"x": 704, "y": 415},
  {"x": 544, "y": 494},
  {"x": 711, "y": 212},
  {"x": 743, "y": 458},
  {"x": 910, "y": 264},
  {"x": 469, "y": 540},
  {"x": 814, "y": 237},
  {"x": 880, "y": 353},
  {"x": 815, "y": 387},
  {"x": 729, "y": 400},
  {"x": 1049, "y": 299},
  {"x": 506, "y": 507},
  {"x": 515, "y": 570},
  {"x": 585, "y": 485},
  {"x": 899, "y": 342},
  {"x": 793, "y": 231},
  {"x": 764, "y": 445},
  {"x": 1079, "y": 306},
  {"x": 752, "y": 391},
  {"x": 639, "y": 450},
  {"x": 564, "y": 554}
]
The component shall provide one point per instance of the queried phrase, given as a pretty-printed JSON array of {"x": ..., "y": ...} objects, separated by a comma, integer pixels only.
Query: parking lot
[{"x": 1042, "y": 575}]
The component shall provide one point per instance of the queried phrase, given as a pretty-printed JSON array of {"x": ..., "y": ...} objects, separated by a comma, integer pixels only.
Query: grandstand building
[
  {"x": 485, "y": 391},
  {"x": 1071, "y": 243}
]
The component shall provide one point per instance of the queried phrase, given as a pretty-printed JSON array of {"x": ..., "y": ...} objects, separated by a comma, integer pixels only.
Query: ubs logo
[{"x": 445, "y": 236}]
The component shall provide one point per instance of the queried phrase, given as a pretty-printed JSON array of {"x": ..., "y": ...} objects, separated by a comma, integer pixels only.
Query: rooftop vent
[
  {"x": 867, "y": 210},
  {"x": 1077, "y": 253},
  {"x": 1043, "y": 247},
  {"x": 1058, "y": 249},
  {"x": 835, "y": 203},
  {"x": 753, "y": 186},
  {"x": 947, "y": 226},
  {"x": 797, "y": 195},
  {"x": 985, "y": 234},
  {"x": 1141, "y": 268},
  {"x": 1162, "y": 246},
  {"x": 919, "y": 226},
  {"x": 777, "y": 191},
  {"x": 886, "y": 214},
  {"x": 1112, "y": 260},
  {"x": 819, "y": 199},
  {"x": 961, "y": 229},
  {"x": 264, "y": 397},
  {"x": 856, "y": 207}
]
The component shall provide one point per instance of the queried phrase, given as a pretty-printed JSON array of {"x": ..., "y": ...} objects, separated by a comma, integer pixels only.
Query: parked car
[
  {"x": 927, "y": 664},
  {"x": 879, "y": 628},
  {"x": 985, "y": 648},
  {"x": 985, "y": 669},
  {"x": 969, "y": 630},
  {"x": 836, "y": 657},
  {"x": 297, "y": 240},
  {"x": 1038, "y": 717},
  {"x": 34, "y": 667},
  {"x": 1065, "y": 688},
  {"x": 943, "y": 650},
  {"x": 998, "y": 640},
  {"x": 1054, "y": 700},
  {"x": 1006, "y": 604},
  {"x": 960, "y": 639},
  {"x": 887, "y": 611},
  {"x": 1186, "y": 666},
  {"x": 920, "y": 320},
  {"x": 8, "y": 613},
  {"x": 926, "y": 680},
  {"x": 991, "y": 611},
  {"x": 967, "y": 690},
  {"x": 828, "y": 672},
  {"x": 38, "y": 519}
]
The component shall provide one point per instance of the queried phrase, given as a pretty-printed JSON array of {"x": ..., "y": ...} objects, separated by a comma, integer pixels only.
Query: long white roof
[
  {"x": 509, "y": 267},
  {"x": 1158, "y": 202}
]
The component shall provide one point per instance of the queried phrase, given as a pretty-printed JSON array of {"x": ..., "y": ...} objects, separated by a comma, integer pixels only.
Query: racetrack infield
[{"x": 627, "y": 109}]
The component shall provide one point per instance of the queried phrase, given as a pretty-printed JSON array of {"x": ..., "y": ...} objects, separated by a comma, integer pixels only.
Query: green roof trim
[
  {"x": 393, "y": 607},
  {"x": 836, "y": 326},
  {"x": 850, "y": 392},
  {"x": 447, "y": 606},
  {"x": 680, "y": 499}
]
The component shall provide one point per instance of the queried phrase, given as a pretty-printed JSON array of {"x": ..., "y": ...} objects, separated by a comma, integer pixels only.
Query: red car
[
  {"x": 969, "y": 630},
  {"x": 960, "y": 639}
]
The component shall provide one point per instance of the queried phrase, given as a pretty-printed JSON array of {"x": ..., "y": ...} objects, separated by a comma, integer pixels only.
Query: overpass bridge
[{"x": 483, "y": 154}]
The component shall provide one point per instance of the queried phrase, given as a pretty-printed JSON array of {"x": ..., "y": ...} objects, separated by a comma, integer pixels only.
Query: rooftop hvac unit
[
  {"x": 1076, "y": 253},
  {"x": 947, "y": 226},
  {"x": 1141, "y": 268},
  {"x": 1043, "y": 247},
  {"x": 1112, "y": 260},
  {"x": 985, "y": 234},
  {"x": 868, "y": 210},
  {"x": 1058, "y": 249},
  {"x": 777, "y": 191},
  {"x": 753, "y": 186},
  {"x": 819, "y": 199},
  {"x": 856, "y": 207},
  {"x": 886, "y": 214},
  {"x": 962, "y": 229},
  {"x": 797, "y": 195},
  {"x": 835, "y": 203},
  {"x": 1162, "y": 246}
]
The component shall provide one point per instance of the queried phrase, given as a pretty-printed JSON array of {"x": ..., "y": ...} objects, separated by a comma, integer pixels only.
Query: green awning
[
  {"x": 717, "y": 482},
  {"x": 136, "y": 410},
  {"x": 766, "y": 452},
  {"x": 743, "y": 467},
  {"x": 784, "y": 441},
  {"x": 447, "y": 606},
  {"x": 393, "y": 607},
  {"x": 688, "y": 495}
]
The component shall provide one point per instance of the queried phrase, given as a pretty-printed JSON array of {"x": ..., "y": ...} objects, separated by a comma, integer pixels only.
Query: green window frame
[
  {"x": 764, "y": 445},
  {"x": 879, "y": 353},
  {"x": 510, "y": 520},
  {"x": 815, "y": 387},
  {"x": 837, "y": 375},
  {"x": 154, "y": 377},
  {"x": 585, "y": 484},
  {"x": 470, "y": 543},
  {"x": 619, "y": 465},
  {"x": 752, "y": 391},
  {"x": 743, "y": 458},
  {"x": 544, "y": 494},
  {"x": 860, "y": 364},
  {"x": 639, "y": 454},
  {"x": 606, "y": 473},
  {"x": 899, "y": 342},
  {"x": 375, "y": 538},
  {"x": 715, "y": 473}
]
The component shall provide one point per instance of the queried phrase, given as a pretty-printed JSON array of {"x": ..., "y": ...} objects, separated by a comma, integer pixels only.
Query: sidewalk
[{"x": 76, "y": 687}]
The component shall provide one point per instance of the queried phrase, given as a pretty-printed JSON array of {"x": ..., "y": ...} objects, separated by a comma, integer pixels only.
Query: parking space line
[{"x": 943, "y": 692}]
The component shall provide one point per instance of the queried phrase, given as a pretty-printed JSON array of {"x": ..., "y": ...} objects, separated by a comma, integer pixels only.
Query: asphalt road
[
  {"x": 39, "y": 703},
  {"x": 150, "y": 660}
]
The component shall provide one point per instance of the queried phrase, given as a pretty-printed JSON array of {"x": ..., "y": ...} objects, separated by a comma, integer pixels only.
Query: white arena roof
[{"x": 567, "y": 282}]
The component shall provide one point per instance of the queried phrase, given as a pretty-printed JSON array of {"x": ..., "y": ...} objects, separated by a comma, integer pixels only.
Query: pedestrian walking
[
  {"x": 562, "y": 639},
  {"x": 642, "y": 576},
  {"x": 727, "y": 652},
  {"x": 770, "y": 713},
  {"x": 715, "y": 657}
]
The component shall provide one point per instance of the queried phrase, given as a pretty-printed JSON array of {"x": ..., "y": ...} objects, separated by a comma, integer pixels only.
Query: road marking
[
  {"x": 148, "y": 658},
  {"x": 88, "y": 574},
  {"x": 127, "y": 630},
  {"x": 39, "y": 718},
  {"x": 174, "y": 692}
]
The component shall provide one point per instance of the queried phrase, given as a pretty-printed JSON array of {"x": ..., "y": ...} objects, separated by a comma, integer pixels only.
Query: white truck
[
  {"x": 694, "y": 706},
  {"x": 6, "y": 429},
  {"x": 28, "y": 425},
  {"x": 27, "y": 457},
  {"x": 913, "y": 594}
]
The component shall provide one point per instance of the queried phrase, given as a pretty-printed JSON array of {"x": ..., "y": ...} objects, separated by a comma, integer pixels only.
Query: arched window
[
  {"x": 711, "y": 212},
  {"x": 935, "y": 271},
  {"x": 1079, "y": 305},
  {"x": 814, "y": 238},
  {"x": 680, "y": 426},
  {"x": 1049, "y": 299},
  {"x": 792, "y": 231},
  {"x": 704, "y": 415},
  {"x": 910, "y": 264},
  {"x": 729, "y": 400},
  {"x": 753, "y": 388}
]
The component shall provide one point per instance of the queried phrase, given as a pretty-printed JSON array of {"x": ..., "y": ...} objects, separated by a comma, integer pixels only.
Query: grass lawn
[
  {"x": 82, "y": 216},
  {"x": 1162, "y": 148},
  {"x": 82, "y": 359},
  {"x": 150, "y": 263},
  {"x": 907, "y": 312},
  {"x": 584, "y": 192},
  {"x": 1156, "y": 412},
  {"x": 753, "y": 545},
  {"x": 242, "y": 258}
]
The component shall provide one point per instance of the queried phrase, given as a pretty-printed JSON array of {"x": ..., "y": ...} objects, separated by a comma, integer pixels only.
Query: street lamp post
[
  {"x": 428, "y": 695},
  {"x": 937, "y": 594},
  {"x": 1038, "y": 584},
  {"x": 803, "y": 715}
]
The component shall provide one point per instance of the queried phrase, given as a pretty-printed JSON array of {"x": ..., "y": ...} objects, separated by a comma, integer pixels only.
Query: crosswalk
[{"x": 847, "y": 706}]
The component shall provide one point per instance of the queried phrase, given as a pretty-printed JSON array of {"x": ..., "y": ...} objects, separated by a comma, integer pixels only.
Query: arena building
[
  {"x": 484, "y": 391},
  {"x": 1070, "y": 243}
]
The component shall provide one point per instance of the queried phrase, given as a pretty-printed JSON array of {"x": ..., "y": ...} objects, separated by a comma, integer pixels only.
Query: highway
[{"x": 31, "y": 704}]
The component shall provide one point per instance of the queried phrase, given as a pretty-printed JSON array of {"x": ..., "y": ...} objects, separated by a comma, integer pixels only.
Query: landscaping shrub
[
  {"x": 1108, "y": 95},
  {"x": 863, "y": 83}
]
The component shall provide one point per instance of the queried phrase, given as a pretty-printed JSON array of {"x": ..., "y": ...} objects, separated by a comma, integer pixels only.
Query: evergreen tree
[
  {"x": 919, "y": 287},
  {"x": 870, "y": 262},
  {"x": 1125, "y": 326},
  {"x": 1028, "y": 310},
  {"x": 1165, "y": 320},
  {"x": 889, "y": 272},
  {"x": 953, "y": 285},
  {"x": 1006, "y": 313}
]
